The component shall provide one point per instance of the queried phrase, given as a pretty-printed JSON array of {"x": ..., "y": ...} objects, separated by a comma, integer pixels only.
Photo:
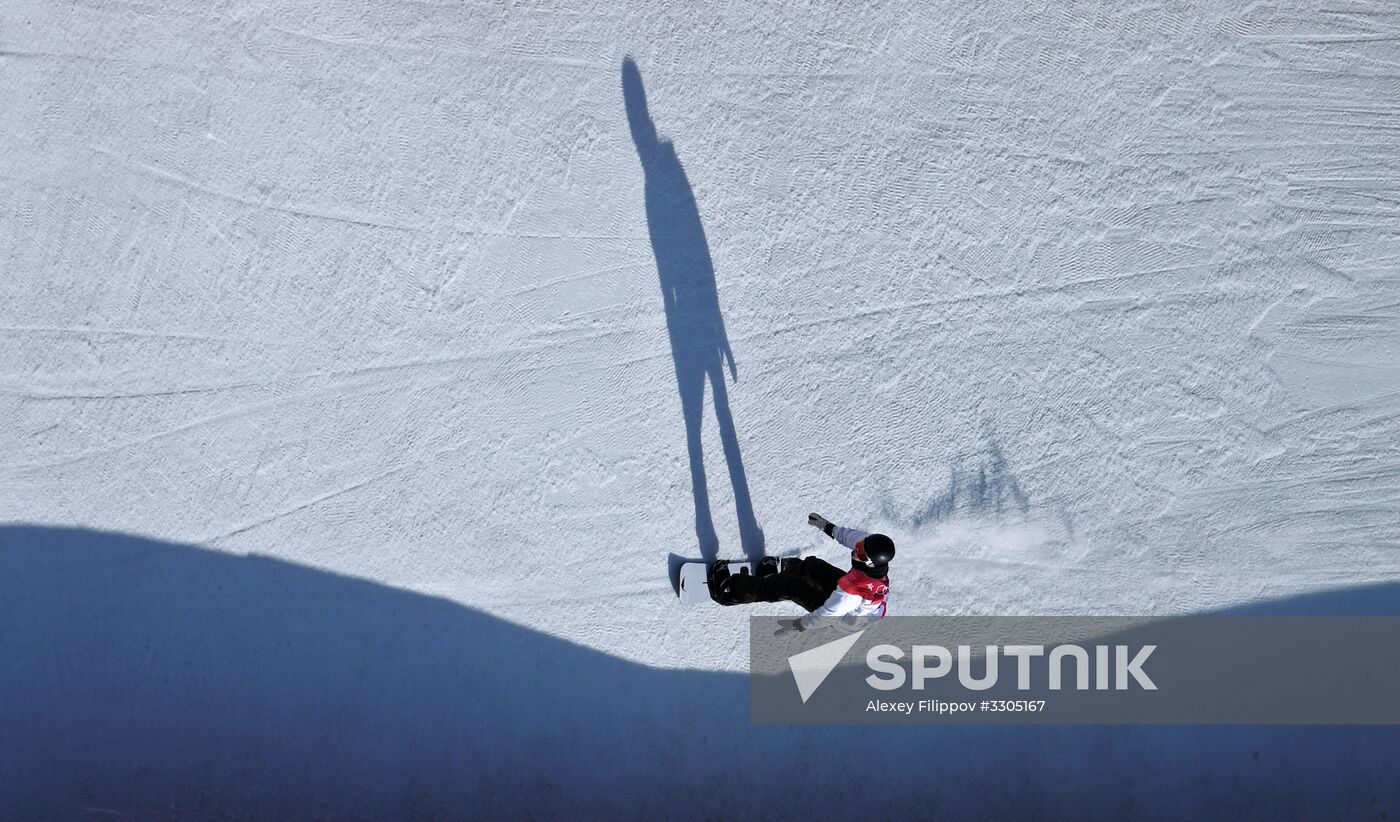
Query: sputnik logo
[{"x": 811, "y": 668}]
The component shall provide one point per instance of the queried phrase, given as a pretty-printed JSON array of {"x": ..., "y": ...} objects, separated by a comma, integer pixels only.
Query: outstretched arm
[{"x": 846, "y": 536}]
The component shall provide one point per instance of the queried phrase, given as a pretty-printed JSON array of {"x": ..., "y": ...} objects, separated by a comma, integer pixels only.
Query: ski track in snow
[{"x": 1094, "y": 307}]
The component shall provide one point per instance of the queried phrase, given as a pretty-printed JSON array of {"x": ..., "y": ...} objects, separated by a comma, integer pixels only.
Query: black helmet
[{"x": 879, "y": 550}]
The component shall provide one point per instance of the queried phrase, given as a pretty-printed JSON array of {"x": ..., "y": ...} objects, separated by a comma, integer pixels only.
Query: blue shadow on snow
[
  {"x": 156, "y": 680},
  {"x": 699, "y": 345}
]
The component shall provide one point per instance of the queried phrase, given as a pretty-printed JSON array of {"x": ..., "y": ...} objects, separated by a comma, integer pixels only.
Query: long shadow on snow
[
  {"x": 161, "y": 680},
  {"x": 694, "y": 321}
]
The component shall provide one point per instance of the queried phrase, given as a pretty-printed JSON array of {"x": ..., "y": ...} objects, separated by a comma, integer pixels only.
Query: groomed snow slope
[{"x": 1094, "y": 307}]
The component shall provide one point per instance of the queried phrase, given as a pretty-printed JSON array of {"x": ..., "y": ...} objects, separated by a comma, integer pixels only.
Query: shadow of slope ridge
[{"x": 160, "y": 680}]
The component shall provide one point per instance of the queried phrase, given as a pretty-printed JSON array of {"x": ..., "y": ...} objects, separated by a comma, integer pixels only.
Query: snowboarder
[{"x": 822, "y": 588}]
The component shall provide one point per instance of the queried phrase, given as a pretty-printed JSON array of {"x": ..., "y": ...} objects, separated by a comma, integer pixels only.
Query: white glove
[
  {"x": 818, "y": 521},
  {"x": 789, "y": 626}
]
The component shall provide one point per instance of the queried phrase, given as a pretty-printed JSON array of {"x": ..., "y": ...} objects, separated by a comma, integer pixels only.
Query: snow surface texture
[{"x": 505, "y": 309}]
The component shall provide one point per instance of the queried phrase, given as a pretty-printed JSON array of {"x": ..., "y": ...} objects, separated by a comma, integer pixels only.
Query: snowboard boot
[
  {"x": 778, "y": 565},
  {"x": 717, "y": 579}
]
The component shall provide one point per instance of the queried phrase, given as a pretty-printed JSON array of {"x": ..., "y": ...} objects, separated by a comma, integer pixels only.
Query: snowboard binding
[
  {"x": 719, "y": 577},
  {"x": 718, "y": 581}
]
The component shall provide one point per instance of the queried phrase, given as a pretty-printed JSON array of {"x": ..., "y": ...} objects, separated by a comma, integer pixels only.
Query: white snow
[{"x": 1094, "y": 307}]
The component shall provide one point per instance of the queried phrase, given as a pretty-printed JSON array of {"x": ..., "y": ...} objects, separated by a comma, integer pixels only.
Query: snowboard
[{"x": 694, "y": 583}]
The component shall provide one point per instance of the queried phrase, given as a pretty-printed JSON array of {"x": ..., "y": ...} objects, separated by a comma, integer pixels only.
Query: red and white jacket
[{"x": 858, "y": 599}]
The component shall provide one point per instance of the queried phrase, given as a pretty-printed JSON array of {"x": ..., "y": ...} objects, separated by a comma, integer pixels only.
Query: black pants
[{"x": 809, "y": 583}]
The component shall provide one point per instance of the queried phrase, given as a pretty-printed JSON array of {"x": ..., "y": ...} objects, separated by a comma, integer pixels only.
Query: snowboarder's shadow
[{"x": 694, "y": 322}]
